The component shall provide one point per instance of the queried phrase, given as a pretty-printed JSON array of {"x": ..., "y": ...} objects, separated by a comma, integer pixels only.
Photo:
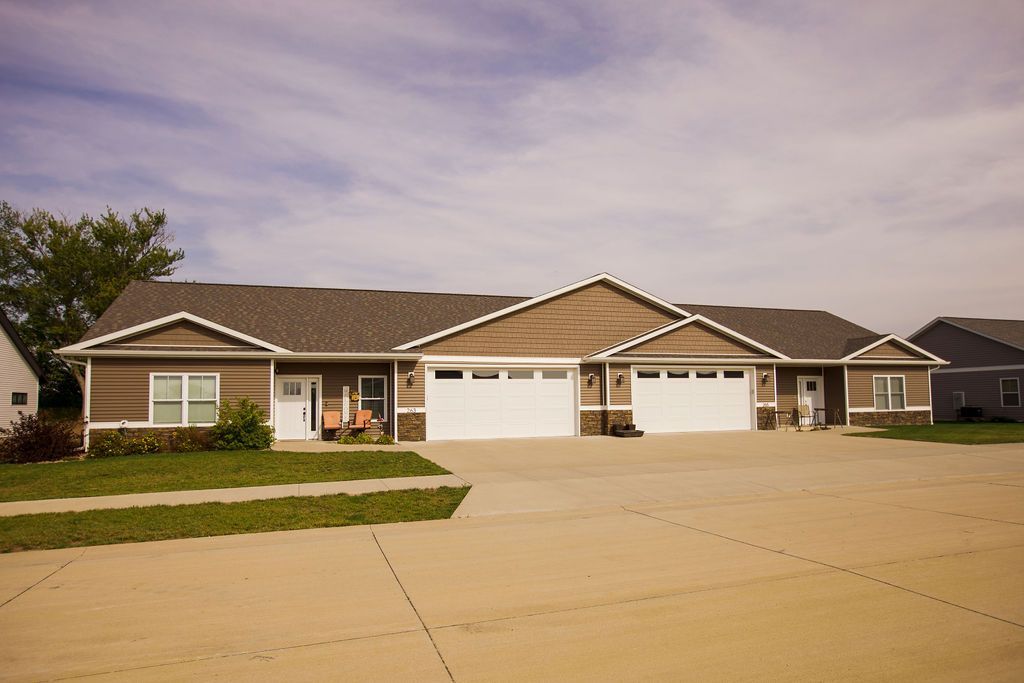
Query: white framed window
[
  {"x": 1009, "y": 392},
  {"x": 890, "y": 392},
  {"x": 373, "y": 395},
  {"x": 180, "y": 399},
  {"x": 19, "y": 398}
]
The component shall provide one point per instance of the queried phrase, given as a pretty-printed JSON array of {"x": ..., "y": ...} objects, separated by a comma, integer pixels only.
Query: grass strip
[
  {"x": 969, "y": 433},
  {"x": 162, "y": 522},
  {"x": 205, "y": 470}
]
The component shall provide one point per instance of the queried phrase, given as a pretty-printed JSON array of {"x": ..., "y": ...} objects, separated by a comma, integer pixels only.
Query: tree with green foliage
[{"x": 57, "y": 276}]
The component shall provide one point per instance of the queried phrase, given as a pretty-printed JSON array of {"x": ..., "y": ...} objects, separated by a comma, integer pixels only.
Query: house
[
  {"x": 573, "y": 361},
  {"x": 19, "y": 375},
  {"x": 986, "y": 365}
]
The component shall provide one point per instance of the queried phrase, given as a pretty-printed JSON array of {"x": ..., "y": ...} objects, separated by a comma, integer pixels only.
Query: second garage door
[
  {"x": 486, "y": 403},
  {"x": 691, "y": 400}
]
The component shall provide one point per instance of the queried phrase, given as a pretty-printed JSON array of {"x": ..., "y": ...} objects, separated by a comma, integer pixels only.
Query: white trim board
[
  {"x": 990, "y": 368},
  {"x": 671, "y": 327},
  {"x": 898, "y": 340},
  {"x": 600, "y": 277},
  {"x": 167, "y": 320}
]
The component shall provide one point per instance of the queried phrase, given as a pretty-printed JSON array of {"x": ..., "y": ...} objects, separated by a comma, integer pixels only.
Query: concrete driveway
[{"x": 522, "y": 475}]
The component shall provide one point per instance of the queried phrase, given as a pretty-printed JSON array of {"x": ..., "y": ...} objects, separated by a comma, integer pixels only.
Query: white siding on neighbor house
[{"x": 15, "y": 376}]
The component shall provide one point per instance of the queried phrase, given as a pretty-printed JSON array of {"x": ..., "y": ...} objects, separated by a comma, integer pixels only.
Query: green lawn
[
  {"x": 954, "y": 432},
  {"x": 207, "y": 470},
  {"x": 133, "y": 525}
]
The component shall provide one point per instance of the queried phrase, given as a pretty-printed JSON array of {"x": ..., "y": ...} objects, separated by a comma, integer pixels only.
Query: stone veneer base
[{"x": 887, "y": 418}]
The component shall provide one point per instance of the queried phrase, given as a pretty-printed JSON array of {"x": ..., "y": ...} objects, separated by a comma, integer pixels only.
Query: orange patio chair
[
  {"x": 332, "y": 420},
  {"x": 361, "y": 421}
]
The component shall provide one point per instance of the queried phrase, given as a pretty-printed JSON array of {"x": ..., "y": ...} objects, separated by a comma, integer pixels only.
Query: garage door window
[
  {"x": 447, "y": 374},
  {"x": 485, "y": 374},
  {"x": 678, "y": 375},
  {"x": 520, "y": 374},
  {"x": 707, "y": 374},
  {"x": 554, "y": 374},
  {"x": 733, "y": 374},
  {"x": 647, "y": 374}
]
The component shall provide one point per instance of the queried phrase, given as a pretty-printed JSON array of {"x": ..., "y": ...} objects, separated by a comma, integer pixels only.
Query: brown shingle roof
[
  {"x": 796, "y": 333},
  {"x": 316, "y": 320},
  {"x": 1009, "y": 331},
  {"x": 302, "y": 319}
]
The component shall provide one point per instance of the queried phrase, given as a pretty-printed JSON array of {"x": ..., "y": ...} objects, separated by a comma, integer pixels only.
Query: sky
[{"x": 866, "y": 158}]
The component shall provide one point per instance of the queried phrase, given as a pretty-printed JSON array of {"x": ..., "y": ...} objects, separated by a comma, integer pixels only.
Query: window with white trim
[
  {"x": 890, "y": 392},
  {"x": 373, "y": 396},
  {"x": 19, "y": 398},
  {"x": 184, "y": 399},
  {"x": 1009, "y": 392}
]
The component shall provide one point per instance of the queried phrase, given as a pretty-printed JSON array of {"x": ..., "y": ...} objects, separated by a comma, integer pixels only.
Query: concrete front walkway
[
  {"x": 912, "y": 581},
  {"x": 233, "y": 495}
]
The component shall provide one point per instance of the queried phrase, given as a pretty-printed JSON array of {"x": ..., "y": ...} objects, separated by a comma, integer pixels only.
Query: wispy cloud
[{"x": 865, "y": 158}]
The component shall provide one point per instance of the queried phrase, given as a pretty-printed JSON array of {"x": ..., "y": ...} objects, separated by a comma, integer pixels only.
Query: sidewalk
[{"x": 233, "y": 495}]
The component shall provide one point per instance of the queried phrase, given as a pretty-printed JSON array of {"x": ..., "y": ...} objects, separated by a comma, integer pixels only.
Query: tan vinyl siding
[
  {"x": 786, "y": 383},
  {"x": 16, "y": 376},
  {"x": 695, "y": 339},
  {"x": 889, "y": 350},
  {"x": 337, "y": 376},
  {"x": 965, "y": 349},
  {"x": 183, "y": 334},
  {"x": 411, "y": 395},
  {"x": 590, "y": 394},
  {"x": 862, "y": 388},
  {"x": 766, "y": 389},
  {"x": 570, "y": 326},
  {"x": 120, "y": 386},
  {"x": 621, "y": 394}
]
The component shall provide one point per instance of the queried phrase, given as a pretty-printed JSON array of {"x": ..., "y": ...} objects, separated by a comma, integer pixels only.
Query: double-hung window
[
  {"x": 372, "y": 396},
  {"x": 1009, "y": 392},
  {"x": 184, "y": 399},
  {"x": 889, "y": 392}
]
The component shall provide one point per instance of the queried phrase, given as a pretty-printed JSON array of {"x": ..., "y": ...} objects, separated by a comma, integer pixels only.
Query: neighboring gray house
[
  {"x": 19, "y": 375},
  {"x": 986, "y": 367}
]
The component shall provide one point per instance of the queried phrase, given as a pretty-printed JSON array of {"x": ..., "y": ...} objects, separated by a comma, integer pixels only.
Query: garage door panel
[
  {"x": 506, "y": 403},
  {"x": 678, "y": 400}
]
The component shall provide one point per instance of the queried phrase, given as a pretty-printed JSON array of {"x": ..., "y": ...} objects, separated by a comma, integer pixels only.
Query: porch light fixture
[
  {"x": 410, "y": 378},
  {"x": 590, "y": 380},
  {"x": 764, "y": 378},
  {"x": 618, "y": 378}
]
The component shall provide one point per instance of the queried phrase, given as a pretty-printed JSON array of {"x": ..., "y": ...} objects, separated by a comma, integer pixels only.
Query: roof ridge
[
  {"x": 764, "y": 308},
  {"x": 966, "y": 317},
  {"x": 329, "y": 289}
]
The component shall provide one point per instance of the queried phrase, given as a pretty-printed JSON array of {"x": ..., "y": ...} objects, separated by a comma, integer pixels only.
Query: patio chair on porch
[
  {"x": 806, "y": 416},
  {"x": 361, "y": 421},
  {"x": 332, "y": 421}
]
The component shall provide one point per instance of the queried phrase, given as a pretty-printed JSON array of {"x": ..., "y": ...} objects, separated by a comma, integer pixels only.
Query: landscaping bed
[
  {"x": 953, "y": 432},
  {"x": 162, "y": 522},
  {"x": 204, "y": 470}
]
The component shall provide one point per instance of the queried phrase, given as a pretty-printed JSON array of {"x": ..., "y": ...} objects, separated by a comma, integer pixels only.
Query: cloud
[{"x": 862, "y": 158}]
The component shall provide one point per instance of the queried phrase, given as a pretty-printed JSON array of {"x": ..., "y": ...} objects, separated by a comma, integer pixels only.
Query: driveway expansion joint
[{"x": 15, "y": 597}]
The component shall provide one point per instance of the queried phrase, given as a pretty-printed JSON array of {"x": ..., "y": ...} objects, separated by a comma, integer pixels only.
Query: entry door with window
[
  {"x": 811, "y": 393},
  {"x": 297, "y": 408}
]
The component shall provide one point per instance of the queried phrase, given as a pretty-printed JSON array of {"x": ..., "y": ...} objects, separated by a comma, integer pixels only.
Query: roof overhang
[
  {"x": 672, "y": 326},
  {"x": 181, "y": 316},
  {"x": 240, "y": 355},
  {"x": 600, "y": 277},
  {"x": 899, "y": 340}
]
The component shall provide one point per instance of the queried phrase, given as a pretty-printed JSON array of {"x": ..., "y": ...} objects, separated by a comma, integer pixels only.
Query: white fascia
[
  {"x": 665, "y": 329},
  {"x": 600, "y": 277},
  {"x": 167, "y": 320},
  {"x": 898, "y": 340}
]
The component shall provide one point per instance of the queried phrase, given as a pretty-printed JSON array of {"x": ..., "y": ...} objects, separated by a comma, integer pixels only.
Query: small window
[
  {"x": 707, "y": 374},
  {"x": 673, "y": 374},
  {"x": 554, "y": 374},
  {"x": 292, "y": 388},
  {"x": 647, "y": 374},
  {"x": 811, "y": 385},
  {"x": 735, "y": 374},
  {"x": 1009, "y": 392},
  {"x": 485, "y": 374},
  {"x": 447, "y": 374},
  {"x": 520, "y": 374},
  {"x": 19, "y": 398},
  {"x": 889, "y": 392}
]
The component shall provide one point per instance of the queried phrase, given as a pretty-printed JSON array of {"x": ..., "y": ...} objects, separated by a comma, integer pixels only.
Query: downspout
[
  {"x": 85, "y": 397},
  {"x": 846, "y": 392}
]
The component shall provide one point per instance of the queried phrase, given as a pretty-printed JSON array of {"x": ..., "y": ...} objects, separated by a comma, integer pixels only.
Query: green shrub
[
  {"x": 241, "y": 427},
  {"x": 117, "y": 444},
  {"x": 384, "y": 440},
  {"x": 33, "y": 440},
  {"x": 360, "y": 438},
  {"x": 189, "y": 440}
]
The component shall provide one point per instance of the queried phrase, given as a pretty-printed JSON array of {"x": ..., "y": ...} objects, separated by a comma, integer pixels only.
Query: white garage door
[
  {"x": 486, "y": 403},
  {"x": 691, "y": 400}
]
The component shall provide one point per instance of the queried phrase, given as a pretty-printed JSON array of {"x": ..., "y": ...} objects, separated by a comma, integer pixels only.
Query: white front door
[
  {"x": 811, "y": 393},
  {"x": 297, "y": 407}
]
